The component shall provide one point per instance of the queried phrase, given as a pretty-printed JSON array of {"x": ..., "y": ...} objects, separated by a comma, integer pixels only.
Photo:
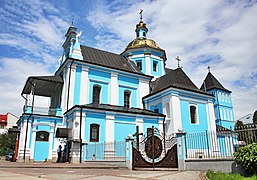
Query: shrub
[{"x": 247, "y": 158}]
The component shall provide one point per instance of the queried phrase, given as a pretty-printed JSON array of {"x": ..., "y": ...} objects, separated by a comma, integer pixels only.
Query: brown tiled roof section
[
  {"x": 174, "y": 78},
  {"x": 212, "y": 83},
  {"x": 108, "y": 59}
]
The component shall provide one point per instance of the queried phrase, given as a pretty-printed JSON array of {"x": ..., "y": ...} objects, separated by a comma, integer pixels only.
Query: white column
[
  {"x": 109, "y": 148},
  {"x": 143, "y": 91},
  {"x": 214, "y": 145},
  {"x": 28, "y": 140},
  {"x": 161, "y": 126},
  {"x": 51, "y": 138},
  {"x": 83, "y": 132},
  {"x": 148, "y": 64},
  {"x": 109, "y": 128},
  {"x": 33, "y": 140},
  {"x": 211, "y": 115},
  {"x": 140, "y": 124},
  {"x": 64, "y": 90},
  {"x": 72, "y": 85},
  {"x": 84, "y": 85},
  {"x": 176, "y": 112},
  {"x": 76, "y": 127},
  {"x": 114, "y": 89}
]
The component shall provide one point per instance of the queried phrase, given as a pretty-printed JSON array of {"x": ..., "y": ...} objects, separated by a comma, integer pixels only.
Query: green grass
[{"x": 223, "y": 176}]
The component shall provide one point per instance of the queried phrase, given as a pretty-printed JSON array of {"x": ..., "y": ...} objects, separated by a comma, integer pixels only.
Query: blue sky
[{"x": 217, "y": 33}]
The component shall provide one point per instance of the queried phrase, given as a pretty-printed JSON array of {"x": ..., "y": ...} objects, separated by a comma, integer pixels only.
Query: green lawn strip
[{"x": 211, "y": 175}]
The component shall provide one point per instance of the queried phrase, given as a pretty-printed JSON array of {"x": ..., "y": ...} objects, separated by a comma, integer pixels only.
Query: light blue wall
[
  {"x": 133, "y": 96},
  {"x": 158, "y": 106},
  {"x": 141, "y": 59},
  {"x": 201, "y": 124},
  {"x": 123, "y": 127},
  {"x": 95, "y": 118},
  {"x": 223, "y": 106},
  {"x": 41, "y": 148},
  {"x": 148, "y": 123},
  {"x": 159, "y": 72},
  {"x": 99, "y": 75},
  {"x": 103, "y": 94},
  {"x": 128, "y": 81},
  {"x": 77, "y": 86}
]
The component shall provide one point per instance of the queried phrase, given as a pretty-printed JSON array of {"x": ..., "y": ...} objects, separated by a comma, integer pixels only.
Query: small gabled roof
[
  {"x": 211, "y": 82},
  {"x": 174, "y": 78},
  {"x": 108, "y": 59}
]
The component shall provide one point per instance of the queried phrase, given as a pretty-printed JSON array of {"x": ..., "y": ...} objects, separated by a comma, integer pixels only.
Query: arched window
[
  {"x": 42, "y": 136},
  {"x": 96, "y": 94},
  {"x": 127, "y": 99},
  {"x": 193, "y": 115},
  {"x": 94, "y": 132}
]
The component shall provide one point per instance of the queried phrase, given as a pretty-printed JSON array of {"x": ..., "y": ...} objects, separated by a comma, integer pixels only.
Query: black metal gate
[{"x": 154, "y": 151}]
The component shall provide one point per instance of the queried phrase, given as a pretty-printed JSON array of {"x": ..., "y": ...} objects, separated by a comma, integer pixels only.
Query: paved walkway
[{"x": 94, "y": 171}]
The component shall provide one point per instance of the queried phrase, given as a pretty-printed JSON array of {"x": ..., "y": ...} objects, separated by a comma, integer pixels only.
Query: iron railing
[
  {"x": 206, "y": 144},
  {"x": 108, "y": 151},
  {"x": 247, "y": 134}
]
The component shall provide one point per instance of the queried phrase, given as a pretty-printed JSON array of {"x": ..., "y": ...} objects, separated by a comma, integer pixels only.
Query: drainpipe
[
  {"x": 164, "y": 134},
  {"x": 32, "y": 109},
  {"x": 80, "y": 139},
  {"x": 68, "y": 93}
]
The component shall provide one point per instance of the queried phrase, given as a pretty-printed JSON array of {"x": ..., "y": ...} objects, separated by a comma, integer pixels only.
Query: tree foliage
[
  {"x": 7, "y": 143},
  {"x": 247, "y": 158}
]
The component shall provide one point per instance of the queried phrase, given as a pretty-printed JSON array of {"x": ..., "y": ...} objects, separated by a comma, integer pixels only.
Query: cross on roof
[
  {"x": 141, "y": 14},
  {"x": 209, "y": 68},
  {"x": 178, "y": 59}
]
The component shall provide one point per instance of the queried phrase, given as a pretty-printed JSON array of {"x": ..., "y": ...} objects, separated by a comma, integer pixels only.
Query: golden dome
[
  {"x": 143, "y": 42},
  {"x": 140, "y": 25}
]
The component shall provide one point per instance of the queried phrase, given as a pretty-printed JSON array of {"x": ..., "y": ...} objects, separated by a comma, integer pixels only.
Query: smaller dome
[
  {"x": 143, "y": 42},
  {"x": 140, "y": 25}
]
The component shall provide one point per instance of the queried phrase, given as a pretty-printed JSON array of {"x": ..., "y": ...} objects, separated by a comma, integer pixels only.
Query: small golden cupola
[{"x": 141, "y": 40}]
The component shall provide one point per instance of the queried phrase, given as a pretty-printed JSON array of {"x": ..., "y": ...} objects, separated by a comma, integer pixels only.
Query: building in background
[{"x": 7, "y": 121}]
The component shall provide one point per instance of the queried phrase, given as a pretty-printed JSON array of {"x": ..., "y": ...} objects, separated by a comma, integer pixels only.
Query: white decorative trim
[
  {"x": 140, "y": 124},
  {"x": 84, "y": 85},
  {"x": 114, "y": 89},
  {"x": 110, "y": 127}
]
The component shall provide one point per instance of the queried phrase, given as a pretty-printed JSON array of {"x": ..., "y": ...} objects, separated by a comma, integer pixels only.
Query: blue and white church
[{"x": 100, "y": 97}]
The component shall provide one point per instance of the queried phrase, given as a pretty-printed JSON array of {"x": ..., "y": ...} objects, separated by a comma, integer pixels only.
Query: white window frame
[{"x": 196, "y": 112}]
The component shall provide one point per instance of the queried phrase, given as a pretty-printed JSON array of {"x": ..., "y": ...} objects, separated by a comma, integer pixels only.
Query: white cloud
[
  {"x": 16, "y": 72},
  {"x": 218, "y": 33}
]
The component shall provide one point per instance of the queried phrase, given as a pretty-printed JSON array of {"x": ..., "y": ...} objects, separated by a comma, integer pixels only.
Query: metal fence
[
  {"x": 106, "y": 151},
  {"x": 247, "y": 134},
  {"x": 206, "y": 144}
]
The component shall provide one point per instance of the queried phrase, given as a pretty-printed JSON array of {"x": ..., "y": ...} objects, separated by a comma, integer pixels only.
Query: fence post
[
  {"x": 181, "y": 149},
  {"x": 207, "y": 141},
  {"x": 129, "y": 155}
]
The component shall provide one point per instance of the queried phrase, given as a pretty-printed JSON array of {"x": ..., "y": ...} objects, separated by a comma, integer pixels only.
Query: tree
[
  {"x": 7, "y": 143},
  {"x": 255, "y": 117},
  {"x": 247, "y": 158}
]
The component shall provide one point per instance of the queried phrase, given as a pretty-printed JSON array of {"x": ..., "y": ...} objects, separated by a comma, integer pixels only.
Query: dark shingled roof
[
  {"x": 45, "y": 85},
  {"x": 108, "y": 59},
  {"x": 212, "y": 83},
  {"x": 108, "y": 107},
  {"x": 174, "y": 78}
]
